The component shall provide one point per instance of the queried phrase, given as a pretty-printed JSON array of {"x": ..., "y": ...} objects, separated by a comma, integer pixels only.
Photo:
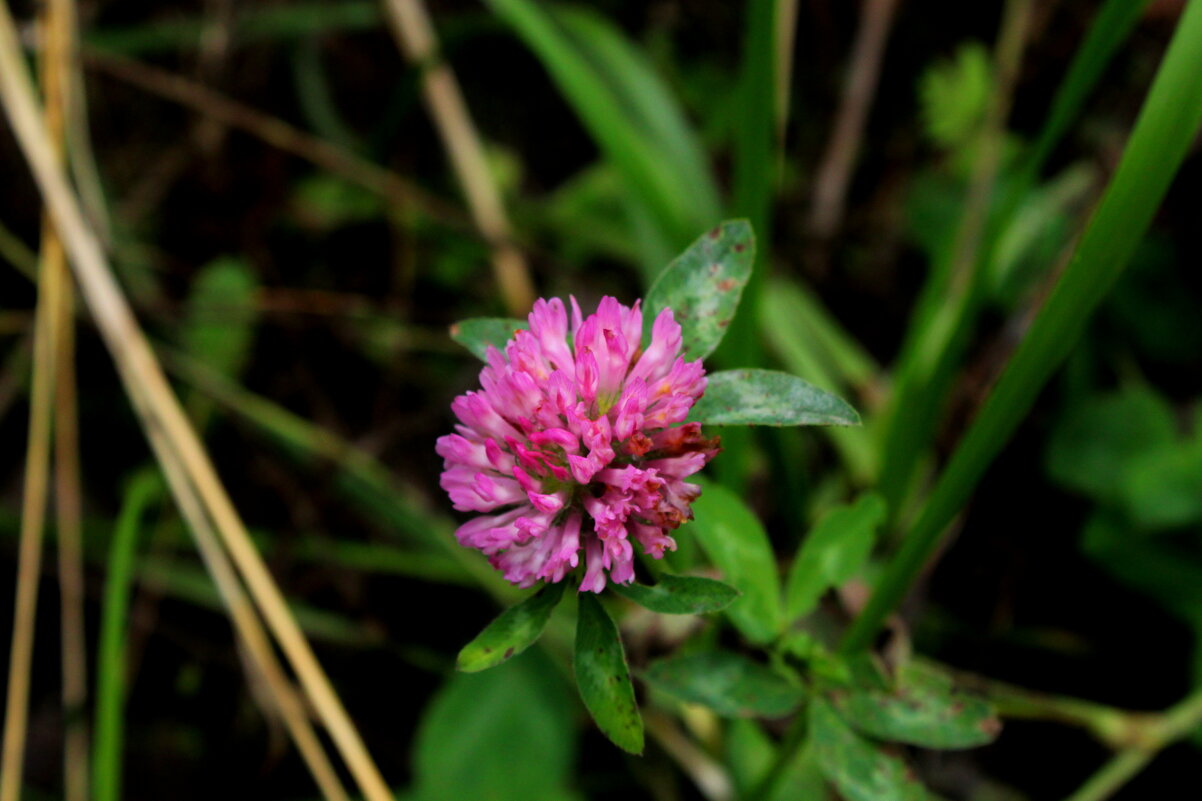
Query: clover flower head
[{"x": 573, "y": 443}]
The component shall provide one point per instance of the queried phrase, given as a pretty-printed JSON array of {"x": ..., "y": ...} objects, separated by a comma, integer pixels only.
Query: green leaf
[
  {"x": 832, "y": 553},
  {"x": 737, "y": 544},
  {"x": 924, "y": 710},
  {"x": 1162, "y": 488},
  {"x": 728, "y": 683},
  {"x": 703, "y": 285},
  {"x": 603, "y": 678},
  {"x": 1092, "y": 446},
  {"x": 680, "y": 595},
  {"x": 504, "y": 735},
  {"x": 514, "y": 630},
  {"x": 477, "y": 333},
  {"x": 755, "y": 397},
  {"x": 219, "y": 316},
  {"x": 857, "y": 768}
]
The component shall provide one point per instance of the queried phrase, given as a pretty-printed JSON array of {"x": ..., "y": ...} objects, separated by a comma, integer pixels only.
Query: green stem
[
  {"x": 1117, "y": 728},
  {"x": 1163, "y": 134},
  {"x": 110, "y": 678},
  {"x": 1173, "y": 725}
]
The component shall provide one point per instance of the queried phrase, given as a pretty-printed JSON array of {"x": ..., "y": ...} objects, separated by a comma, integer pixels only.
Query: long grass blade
[
  {"x": 1110, "y": 29},
  {"x": 160, "y": 411},
  {"x": 110, "y": 656},
  {"x": 633, "y": 118},
  {"x": 1164, "y": 131}
]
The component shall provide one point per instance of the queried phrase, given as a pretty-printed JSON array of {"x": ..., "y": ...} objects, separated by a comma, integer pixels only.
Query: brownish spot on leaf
[
  {"x": 716, "y": 233},
  {"x": 509, "y": 652},
  {"x": 455, "y": 329},
  {"x": 727, "y": 284},
  {"x": 991, "y": 726},
  {"x": 740, "y": 247}
]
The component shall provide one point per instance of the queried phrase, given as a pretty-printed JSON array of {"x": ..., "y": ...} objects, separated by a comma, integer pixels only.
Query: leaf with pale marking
[
  {"x": 703, "y": 286},
  {"x": 924, "y": 709},
  {"x": 755, "y": 397}
]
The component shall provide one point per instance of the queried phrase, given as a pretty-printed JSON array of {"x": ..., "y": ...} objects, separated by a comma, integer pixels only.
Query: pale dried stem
[
  {"x": 33, "y": 518},
  {"x": 248, "y": 625},
  {"x": 411, "y": 24},
  {"x": 58, "y": 23},
  {"x": 37, "y": 463},
  {"x": 160, "y": 411},
  {"x": 864, "y": 71}
]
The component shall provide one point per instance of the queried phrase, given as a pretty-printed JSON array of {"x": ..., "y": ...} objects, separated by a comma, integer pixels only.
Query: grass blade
[
  {"x": 625, "y": 108},
  {"x": 1167, "y": 125},
  {"x": 110, "y": 668},
  {"x": 1111, "y": 27}
]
